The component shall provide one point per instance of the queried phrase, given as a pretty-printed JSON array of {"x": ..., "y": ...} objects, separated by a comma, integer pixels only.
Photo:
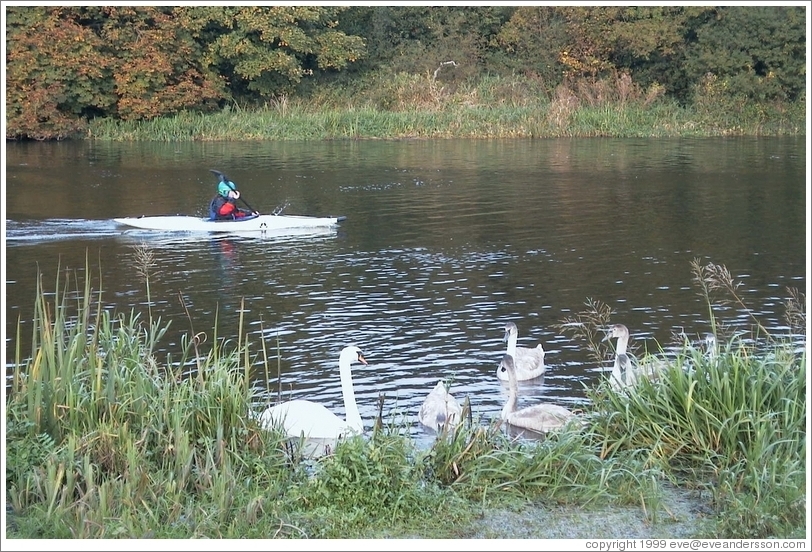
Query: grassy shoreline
[
  {"x": 106, "y": 441},
  {"x": 296, "y": 123},
  {"x": 413, "y": 106}
]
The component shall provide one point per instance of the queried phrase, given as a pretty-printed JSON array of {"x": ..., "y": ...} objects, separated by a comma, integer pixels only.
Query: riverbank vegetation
[
  {"x": 495, "y": 108},
  {"x": 354, "y": 72},
  {"x": 106, "y": 440}
]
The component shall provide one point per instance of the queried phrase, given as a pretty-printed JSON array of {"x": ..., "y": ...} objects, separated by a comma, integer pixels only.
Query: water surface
[{"x": 443, "y": 243}]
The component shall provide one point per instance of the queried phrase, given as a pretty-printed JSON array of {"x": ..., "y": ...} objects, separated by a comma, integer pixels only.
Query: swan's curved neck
[
  {"x": 513, "y": 394},
  {"x": 511, "y": 344},
  {"x": 617, "y": 373},
  {"x": 622, "y": 344},
  {"x": 347, "y": 391}
]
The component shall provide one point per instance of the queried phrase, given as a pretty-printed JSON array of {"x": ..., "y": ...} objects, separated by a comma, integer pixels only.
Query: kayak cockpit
[{"x": 234, "y": 219}]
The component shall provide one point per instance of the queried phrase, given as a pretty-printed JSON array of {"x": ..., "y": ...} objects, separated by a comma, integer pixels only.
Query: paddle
[{"x": 225, "y": 179}]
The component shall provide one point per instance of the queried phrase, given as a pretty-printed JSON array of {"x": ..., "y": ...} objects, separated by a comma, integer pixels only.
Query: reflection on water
[{"x": 443, "y": 243}]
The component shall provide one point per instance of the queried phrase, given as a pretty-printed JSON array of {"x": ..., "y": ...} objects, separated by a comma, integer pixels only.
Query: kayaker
[{"x": 224, "y": 206}]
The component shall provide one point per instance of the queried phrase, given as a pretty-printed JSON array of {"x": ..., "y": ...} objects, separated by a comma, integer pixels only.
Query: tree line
[{"x": 68, "y": 65}]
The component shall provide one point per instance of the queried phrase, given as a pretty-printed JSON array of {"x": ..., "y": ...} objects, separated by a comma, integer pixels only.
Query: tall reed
[{"x": 101, "y": 430}]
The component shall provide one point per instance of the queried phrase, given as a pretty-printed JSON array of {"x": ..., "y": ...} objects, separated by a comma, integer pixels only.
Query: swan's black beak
[{"x": 361, "y": 358}]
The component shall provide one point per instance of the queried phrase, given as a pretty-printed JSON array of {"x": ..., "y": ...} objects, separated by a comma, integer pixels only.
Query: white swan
[
  {"x": 625, "y": 373},
  {"x": 622, "y": 374},
  {"x": 711, "y": 347},
  {"x": 539, "y": 418},
  {"x": 440, "y": 409},
  {"x": 529, "y": 363},
  {"x": 313, "y": 420}
]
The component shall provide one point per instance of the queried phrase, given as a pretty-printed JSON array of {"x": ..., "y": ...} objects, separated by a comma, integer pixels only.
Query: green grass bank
[{"x": 414, "y": 106}]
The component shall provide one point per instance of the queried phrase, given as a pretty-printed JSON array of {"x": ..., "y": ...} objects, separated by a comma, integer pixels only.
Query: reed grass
[
  {"x": 415, "y": 106},
  {"x": 104, "y": 440},
  {"x": 541, "y": 121}
]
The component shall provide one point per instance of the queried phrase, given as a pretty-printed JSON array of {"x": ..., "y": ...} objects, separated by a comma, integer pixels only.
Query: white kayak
[{"x": 259, "y": 223}]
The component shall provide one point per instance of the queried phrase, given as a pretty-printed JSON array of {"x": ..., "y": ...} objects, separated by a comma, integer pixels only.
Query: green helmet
[{"x": 224, "y": 187}]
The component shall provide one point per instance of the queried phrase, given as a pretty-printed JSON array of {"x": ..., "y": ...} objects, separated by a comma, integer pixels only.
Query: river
[{"x": 444, "y": 242}]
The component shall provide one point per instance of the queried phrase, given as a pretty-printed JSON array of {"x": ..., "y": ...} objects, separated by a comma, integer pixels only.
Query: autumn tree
[
  {"x": 157, "y": 65},
  {"x": 55, "y": 73},
  {"x": 264, "y": 52},
  {"x": 66, "y": 65}
]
